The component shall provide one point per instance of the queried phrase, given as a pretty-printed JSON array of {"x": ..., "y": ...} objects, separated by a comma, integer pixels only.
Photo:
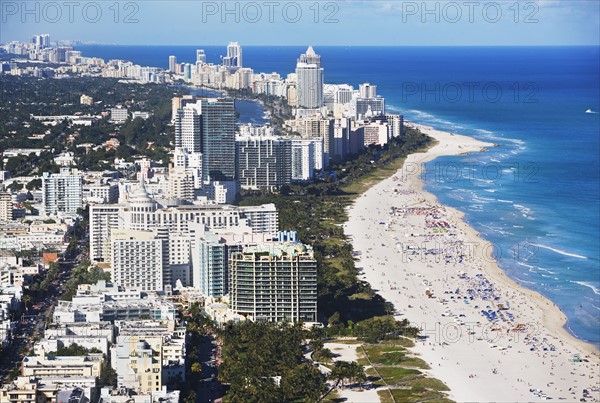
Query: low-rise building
[
  {"x": 148, "y": 355},
  {"x": 42, "y": 366},
  {"x": 27, "y": 389}
]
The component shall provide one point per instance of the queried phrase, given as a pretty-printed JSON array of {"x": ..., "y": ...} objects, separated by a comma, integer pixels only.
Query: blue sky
[{"x": 349, "y": 22}]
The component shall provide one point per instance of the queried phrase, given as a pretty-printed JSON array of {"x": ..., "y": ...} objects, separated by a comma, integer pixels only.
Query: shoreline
[
  {"x": 535, "y": 329},
  {"x": 500, "y": 275}
]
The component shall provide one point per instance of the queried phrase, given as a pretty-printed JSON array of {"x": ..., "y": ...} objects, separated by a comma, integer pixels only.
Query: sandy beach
[{"x": 488, "y": 338}]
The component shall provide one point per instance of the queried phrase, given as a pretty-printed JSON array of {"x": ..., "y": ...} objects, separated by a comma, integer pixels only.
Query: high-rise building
[
  {"x": 275, "y": 282},
  {"x": 137, "y": 260},
  {"x": 210, "y": 265},
  {"x": 208, "y": 127},
  {"x": 41, "y": 41},
  {"x": 263, "y": 161},
  {"x": 187, "y": 72},
  {"x": 179, "y": 102},
  {"x": 181, "y": 184},
  {"x": 200, "y": 56},
  {"x": 6, "y": 207},
  {"x": 234, "y": 56},
  {"x": 367, "y": 90},
  {"x": 62, "y": 192},
  {"x": 103, "y": 218},
  {"x": 303, "y": 158},
  {"x": 315, "y": 127},
  {"x": 142, "y": 213},
  {"x": 396, "y": 123},
  {"x": 370, "y": 107},
  {"x": 310, "y": 80},
  {"x": 188, "y": 128},
  {"x": 218, "y": 139},
  {"x": 340, "y": 148},
  {"x": 173, "y": 64}
]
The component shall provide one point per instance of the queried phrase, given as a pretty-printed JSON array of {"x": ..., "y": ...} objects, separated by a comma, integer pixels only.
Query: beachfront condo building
[
  {"x": 303, "y": 158},
  {"x": 275, "y": 281},
  {"x": 310, "y": 80},
  {"x": 200, "y": 56},
  {"x": 264, "y": 162},
  {"x": 234, "y": 56}
]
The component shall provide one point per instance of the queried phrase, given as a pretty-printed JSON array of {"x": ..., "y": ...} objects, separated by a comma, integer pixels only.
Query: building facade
[
  {"x": 310, "y": 80},
  {"x": 62, "y": 192},
  {"x": 264, "y": 162},
  {"x": 275, "y": 282},
  {"x": 137, "y": 260},
  {"x": 218, "y": 140}
]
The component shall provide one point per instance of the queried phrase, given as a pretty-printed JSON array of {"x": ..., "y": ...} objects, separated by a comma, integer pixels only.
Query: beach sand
[{"x": 408, "y": 244}]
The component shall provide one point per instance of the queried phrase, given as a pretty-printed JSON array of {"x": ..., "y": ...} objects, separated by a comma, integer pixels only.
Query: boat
[{"x": 589, "y": 111}]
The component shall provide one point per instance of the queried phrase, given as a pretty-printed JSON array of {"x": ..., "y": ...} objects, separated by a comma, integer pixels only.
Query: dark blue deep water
[{"x": 536, "y": 197}]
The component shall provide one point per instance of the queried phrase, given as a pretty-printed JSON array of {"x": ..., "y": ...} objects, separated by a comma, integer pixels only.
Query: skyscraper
[
  {"x": 187, "y": 72},
  {"x": 6, "y": 207},
  {"x": 310, "y": 80},
  {"x": 368, "y": 104},
  {"x": 200, "y": 56},
  {"x": 275, "y": 282},
  {"x": 188, "y": 128},
  {"x": 137, "y": 260},
  {"x": 368, "y": 90},
  {"x": 234, "y": 56},
  {"x": 172, "y": 64},
  {"x": 218, "y": 139},
  {"x": 62, "y": 192},
  {"x": 263, "y": 161},
  {"x": 41, "y": 41}
]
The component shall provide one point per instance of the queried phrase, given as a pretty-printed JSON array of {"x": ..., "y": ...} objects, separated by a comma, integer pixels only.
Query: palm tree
[
  {"x": 315, "y": 345},
  {"x": 27, "y": 299}
]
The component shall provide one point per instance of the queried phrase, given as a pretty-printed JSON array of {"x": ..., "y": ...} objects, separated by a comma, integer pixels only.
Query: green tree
[
  {"x": 108, "y": 376},
  {"x": 196, "y": 368},
  {"x": 191, "y": 397},
  {"x": 34, "y": 184},
  {"x": 15, "y": 187}
]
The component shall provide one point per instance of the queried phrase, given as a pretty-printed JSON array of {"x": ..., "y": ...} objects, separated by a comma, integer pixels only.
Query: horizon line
[{"x": 358, "y": 46}]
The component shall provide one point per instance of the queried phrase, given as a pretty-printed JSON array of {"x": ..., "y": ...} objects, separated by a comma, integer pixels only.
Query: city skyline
[
  {"x": 182, "y": 225},
  {"x": 440, "y": 23}
]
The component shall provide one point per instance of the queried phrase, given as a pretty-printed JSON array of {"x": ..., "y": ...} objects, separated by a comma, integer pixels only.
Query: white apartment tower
[
  {"x": 367, "y": 90},
  {"x": 181, "y": 184},
  {"x": 103, "y": 218},
  {"x": 137, "y": 260},
  {"x": 188, "y": 130},
  {"x": 303, "y": 160},
  {"x": 62, "y": 192},
  {"x": 310, "y": 80},
  {"x": 234, "y": 56},
  {"x": 6, "y": 207}
]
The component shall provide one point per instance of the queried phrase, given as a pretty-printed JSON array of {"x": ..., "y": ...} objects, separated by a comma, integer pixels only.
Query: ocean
[{"x": 535, "y": 197}]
